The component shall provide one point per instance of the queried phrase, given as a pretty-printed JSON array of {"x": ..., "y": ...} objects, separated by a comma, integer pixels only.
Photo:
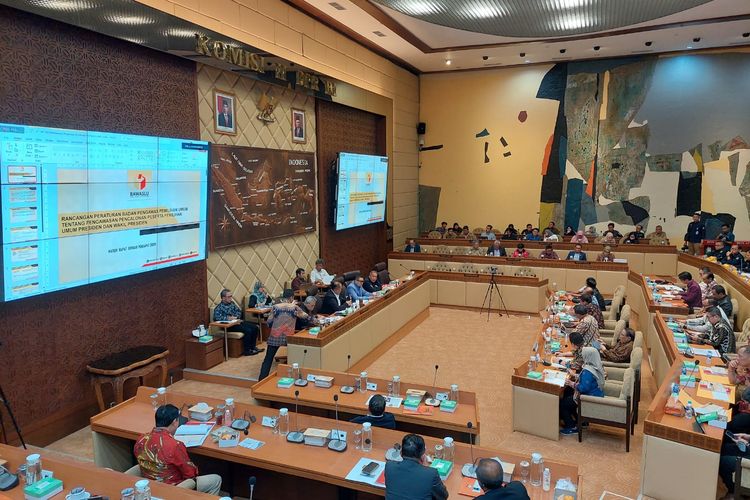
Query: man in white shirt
[{"x": 320, "y": 275}]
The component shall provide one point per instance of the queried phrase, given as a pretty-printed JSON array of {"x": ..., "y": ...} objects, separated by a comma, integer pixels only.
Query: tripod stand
[
  {"x": 5, "y": 402},
  {"x": 487, "y": 304}
]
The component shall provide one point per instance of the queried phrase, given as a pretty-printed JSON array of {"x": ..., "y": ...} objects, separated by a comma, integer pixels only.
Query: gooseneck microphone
[
  {"x": 348, "y": 362},
  {"x": 433, "y": 401},
  {"x": 347, "y": 389},
  {"x": 296, "y": 436},
  {"x": 337, "y": 444},
  {"x": 251, "y": 483},
  {"x": 692, "y": 372},
  {"x": 301, "y": 381},
  {"x": 470, "y": 469}
]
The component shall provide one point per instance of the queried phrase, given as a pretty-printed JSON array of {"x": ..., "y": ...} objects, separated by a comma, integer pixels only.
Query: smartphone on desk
[{"x": 369, "y": 469}]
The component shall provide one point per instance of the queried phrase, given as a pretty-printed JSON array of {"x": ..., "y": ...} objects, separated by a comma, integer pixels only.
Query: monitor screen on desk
[{"x": 80, "y": 207}]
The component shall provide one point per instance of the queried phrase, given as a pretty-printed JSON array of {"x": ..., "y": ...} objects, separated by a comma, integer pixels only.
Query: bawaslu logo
[{"x": 138, "y": 182}]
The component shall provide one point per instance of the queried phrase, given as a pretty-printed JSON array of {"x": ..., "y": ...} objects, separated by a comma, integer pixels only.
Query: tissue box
[
  {"x": 43, "y": 489},
  {"x": 229, "y": 439},
  {"x": 323, "y": 381},
  {"x": 565, "y": 490}
]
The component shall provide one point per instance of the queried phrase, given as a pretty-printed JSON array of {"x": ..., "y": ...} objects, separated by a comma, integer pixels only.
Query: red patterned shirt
[{"x": 162, "y": 458}]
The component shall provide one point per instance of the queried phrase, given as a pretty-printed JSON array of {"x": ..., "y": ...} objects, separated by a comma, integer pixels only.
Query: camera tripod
[
  {"x": 487, "y": 304},
  {"x": 5, "y": 403}
]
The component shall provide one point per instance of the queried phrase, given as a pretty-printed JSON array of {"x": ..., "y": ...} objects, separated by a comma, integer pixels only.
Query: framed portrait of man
[
  {"x": 224, "y": 113},
  {"x": 299, "y": 132}
]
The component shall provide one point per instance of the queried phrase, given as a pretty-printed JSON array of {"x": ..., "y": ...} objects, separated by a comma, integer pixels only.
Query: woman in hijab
[
  {"x": 259, "y": 297},
  {"x": 590, "y": 383},
  {"x": 579, "y": 237}
]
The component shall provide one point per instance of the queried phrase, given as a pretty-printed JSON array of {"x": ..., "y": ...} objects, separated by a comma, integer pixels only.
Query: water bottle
[
  {"x": 684, "y": 370},
  {"x": 33, "y": 468},
  {"x": 537, "y": 467},
  {"x": 675, "y": 392},
  {"x": 367, "y": 436},
  {"x": 547, "y": 479},
  {"x": 396, "y": 385},
  {"x": 228, "y": 411},
  {"x": 363, "y": 382},
  {"x": 689, "y": 412},
  {"x": 142, "y": 490},
  {"x": 448, "y": 449},
  {"x": 162, "y": 392},
  {"x": 453, "y": 396},
  {"x": 127, "y": 494},
  {"x": 282, "y": 421},
  {"x": 708, "y": 358},
  {"x": 295, "y": 371}
]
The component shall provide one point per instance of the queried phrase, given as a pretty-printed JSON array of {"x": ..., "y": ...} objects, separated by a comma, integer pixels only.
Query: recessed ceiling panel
[{"x": 538, "y": 18}]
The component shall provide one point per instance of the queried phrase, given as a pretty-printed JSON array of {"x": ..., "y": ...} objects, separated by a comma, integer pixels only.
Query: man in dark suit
[
  {"x": 377, "y": 416},
  {"x": 412, "y": 247},
  {"x": 299, "y": 132},
  {"x": 372, "y": 283},
  {"x": 490, "y": 478},
  {"x": 225, "y": 118},
  {"x": 411, "y": 479},
  {"x": 335, "y": 299},
  {"x": 577, "y": 254},
  {"x": 495, "y": 250}
]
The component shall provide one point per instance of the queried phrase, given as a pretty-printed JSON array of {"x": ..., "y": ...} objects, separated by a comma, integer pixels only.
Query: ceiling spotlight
[
  {"x": 690, "y": 46},
  {"x": 745, "y": 35},
  {"x": 648, "y": 44},
  {"x": 484, "y": 58},
  {"x": 527, "y": 61},
  {"x": 697, "y": 39},
  {"x": 562, "y": 51},
  {"x": 596, "y": 47},
  {"x": 447, "y": 62},
  {"x": 522, "y": 54}
]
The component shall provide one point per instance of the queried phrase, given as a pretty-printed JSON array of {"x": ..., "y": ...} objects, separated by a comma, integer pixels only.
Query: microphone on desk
[
  {"x": 433, "y": 400},
  {"x": 301, "y": 381},
  {"x": 251, "y": 483},
  {"x": 337, "y": 444},
  {"x": 470, "y": 469},
  {"x": 695, "y": 367},
  {"x": 296, "y": 436},
  {"x": 347, "y": 389}
]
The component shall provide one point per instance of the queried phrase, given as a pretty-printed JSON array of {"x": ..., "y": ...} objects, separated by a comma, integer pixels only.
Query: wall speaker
[{"x": 421, "y": 128}]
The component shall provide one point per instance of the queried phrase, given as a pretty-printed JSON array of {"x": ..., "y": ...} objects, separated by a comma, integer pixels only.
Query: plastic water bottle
[
  {"x": 127, "y": 494},
  {"x": 363, "y": 382},
  {"x": 367, "y": 436},
  {"x": 675, "y": 392},
  {"x": 228, "y": 412},
  {"x": 689, "y": 412},
  {"x": 537, "y": 467},
  {"x": 295, "y": 371},
  {"x": 684, "y": 370},
  {"x": 453, "y": 396},
  {"x": 282, "y": 421},
  {"x": 162, "y": 399},
  {"x": 448, "y": 449},
  {"x": 396, "y": 385},
  {"x": 142, "y": 490},
  {"x": 708, "y": 358},
  {"x": 546, "y": 479}
]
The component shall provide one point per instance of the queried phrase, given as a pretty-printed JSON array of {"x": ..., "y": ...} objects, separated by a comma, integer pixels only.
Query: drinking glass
[
  {"x": 390, "y": 388},
  {"x": 438, "y": 451},
  {"x": 154, "y": 398},
  {"x": 525, "y": 469},
  {"x": 357, "y": 438},
  {"x": 357, "y": 383}
]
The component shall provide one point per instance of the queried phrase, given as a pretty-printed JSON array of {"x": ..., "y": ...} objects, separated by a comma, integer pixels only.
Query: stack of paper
[
  {"x": 193, "y": 433},
  {"x": 555, "y": 377}
]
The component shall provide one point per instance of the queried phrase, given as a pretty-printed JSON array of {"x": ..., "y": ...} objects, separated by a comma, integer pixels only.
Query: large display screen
[
  {"x": 360, "y": 190},
  {"x": 81, "y": 207}
]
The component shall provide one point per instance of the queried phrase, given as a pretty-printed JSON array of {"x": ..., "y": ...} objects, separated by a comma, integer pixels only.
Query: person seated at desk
[
  {"x": 356, "y": 289},
  {"x": 466, "y": 233},
  {"x": 591, "y": 232},
  {"x": 623, "y": 348},
  {"x": 548, "y": 253},
  {"x": 490, "y": 477},
  {"x": 611, "y": 229},
  {"x": 310, "y": 320},
  {"x": 720, "y": 299},
  {"x": 658, "y": 237},
  {"x": 456, "y": 228},
  {"x": 510, "y": 233},
  {"x": 577, "y": 254},
  {"x": 590, "y": 382},
  {"x": 552, "y": 228},
  {"x": 372, "y": 283},
  {"x": 260, "y": 296},
  {"x": 442, "y": 229},
  {"x": 520, "y": 252},
  {"x": 300, "y": 281},
  {"x": 632, "y": 239},
  {"x": 587, "y": 325},
  {"x": 335, "y": 299},
  {"x": 700, "y": 323},
  {"x": 692, "y": 294},
  {"x": 735, "y": 258},
  {"x": 412, "y": 247},
  {"x": 412, "y": 479},
  {"x": 707, "y": 284},
  {"x": 579, "y": 237},
  {"x": 606, "y": 255},
  {"x": 730, "y": 453},
  {"x": 282, "y": 320},
  {"x": 475, "y": 249},
  {"x": 725, "y": 235},
  {"x": 738, "y": 370},
  {"x": 320, "y": 276},
  {"x": 533, "y": 235},
  {"x": 638, "y": 232},
  {"x": 597, "y": 297},
  {"x": 608, "y": 238},
  {"x": 719, "y": 252},
  {"x": 488, "y": 233},
  {"x": 228, "y": 310},
  {"x": 164, "y": 459},
  {"x": 495, "y": 250},
  {"x": 720, "y": 337},
  {"x": 550, "y": 236},
  {"x": 527, "y": 231},
  {"x": 569, "y": 231},
  {"x": 587, "y": 299},
  {"x": 377, "y": 415}
]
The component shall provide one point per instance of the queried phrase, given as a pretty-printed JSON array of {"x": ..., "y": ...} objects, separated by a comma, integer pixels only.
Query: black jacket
[
  {"x": 410, "y": 480},
  {"x": 514, "y": 490},
  {"x": 491, "y": 251},
  {"x": 331, "y": 305},
  {"x": 372, "y": 287}
]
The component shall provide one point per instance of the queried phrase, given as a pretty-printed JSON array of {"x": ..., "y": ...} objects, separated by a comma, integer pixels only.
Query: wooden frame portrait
[
  {"x": 299, "y": 127},
  {"x": 225, "y": 116}
]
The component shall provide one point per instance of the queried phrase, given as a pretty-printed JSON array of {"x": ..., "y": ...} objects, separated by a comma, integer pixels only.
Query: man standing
[
  {"x": 577, "y": 254},
  {"x": 692, "y": 294},
  {"x": 334, "y": 299},
  {"x": 227, "y": 310},
  {"x": 696, "y": 232},
  {"x": 490, "y": 477},
  {"x": 412, "y": 247},
  {"x": 372, "y": 283},
  {"x": 411, "y": 479},
  {"x": 356, "y": 290},
  {"x": 320, "y": 276},
  {"x": 164, "y": 459}
]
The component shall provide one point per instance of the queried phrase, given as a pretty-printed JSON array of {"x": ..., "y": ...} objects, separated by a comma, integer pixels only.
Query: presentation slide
[
  {"x": 82, "y": 207},
  {"x": 361, "y": 190}
]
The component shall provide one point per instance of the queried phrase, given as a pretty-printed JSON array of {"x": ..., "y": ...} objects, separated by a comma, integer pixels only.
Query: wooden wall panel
[
  {"x": 341, "y": 128},
  {"x": 52, "y": 74}
]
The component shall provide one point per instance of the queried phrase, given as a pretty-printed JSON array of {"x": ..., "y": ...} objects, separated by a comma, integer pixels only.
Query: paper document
[
  {"x": 356, "y": 473},
  {"x": 251, "y": 444},
  {"x": 555, "y": 377},
  {"x": 193, "y": 429},
  {"x": 698, "y": 351}
]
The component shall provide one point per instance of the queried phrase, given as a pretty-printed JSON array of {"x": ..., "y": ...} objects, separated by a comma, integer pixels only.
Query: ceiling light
[
  {"x": 421, "y": 7},
  {"x": 745, "y": 35},
  {"x": 648, "y": 44},
  {"x": 181, "y": 32},
  {"x": 484, "y": 58},
  {"x": 562, "y": 51},
  {"x": 690, "y": 46},
  {"x": 483, "y": 11},
  {"x": 527, "y": 61},
  {"x": 596, "y": 47},
  {"x": 129, "y": 20},
  {"x": 573, "y": 22},
  {"x": 567, "y": 4},
  {"x": 697, "y": 39},
  {"x": 447, "y": 62},
  {"x": 60, "y": 4},
  {"x": 522, "y": 54}
]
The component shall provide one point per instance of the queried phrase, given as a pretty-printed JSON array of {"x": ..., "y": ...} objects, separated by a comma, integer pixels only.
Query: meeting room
[{"x": 363, "y": 249}]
